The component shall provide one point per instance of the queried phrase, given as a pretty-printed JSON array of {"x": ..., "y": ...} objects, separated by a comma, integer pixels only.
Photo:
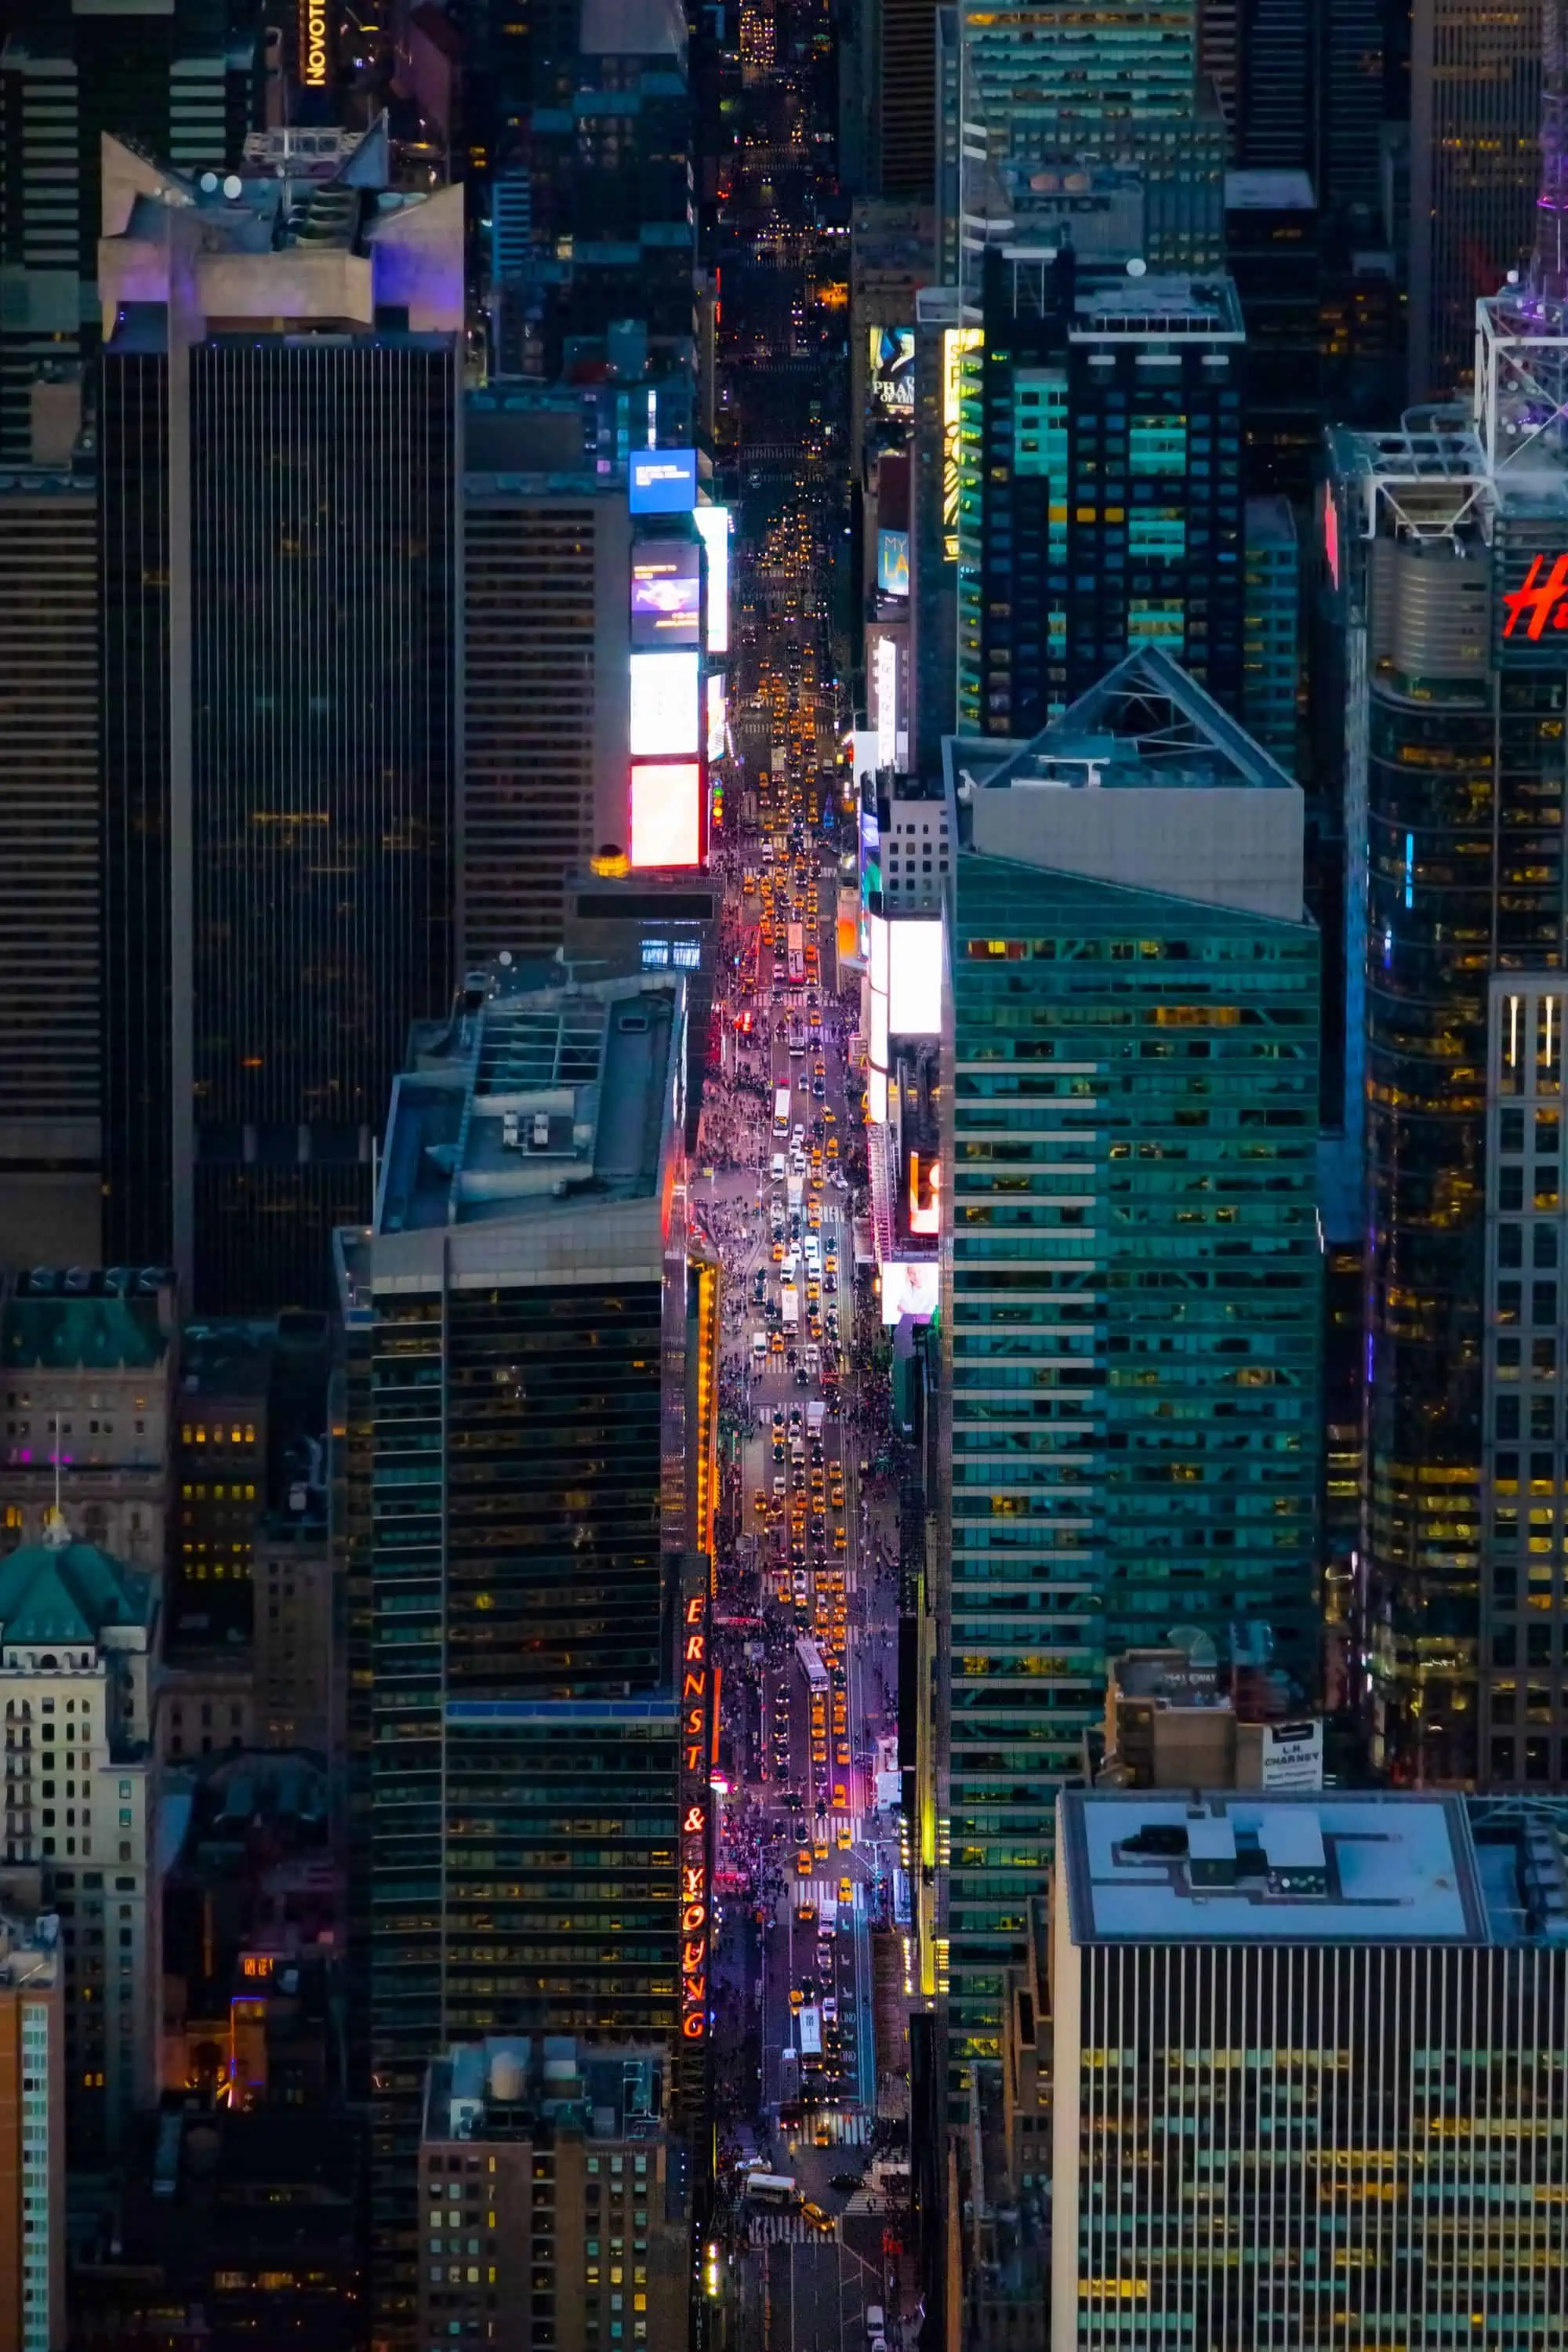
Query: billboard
[
  {"x": 718, "y": 736},
  {"x": 666, "y": 591},
  {"x": 666, "y": 814},
  {"x": 714, "y": 529},
  {"x": 1291, "y": 1754},
  {"x": 914, "y": 977},
  {"x": 662, "y": 481},
  {"x": 956, "y": 342},
  {"x": 893, "y": 563},
  {"x": 664, "y": 707},
  {"x": 886, "y": 673},
  {"x": 892, "y": 367},
  {"x": 911, "y": 1286}
]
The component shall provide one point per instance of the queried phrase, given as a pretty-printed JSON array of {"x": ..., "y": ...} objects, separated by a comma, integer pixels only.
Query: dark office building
[
  {"x": 534, "y": 1343},
  {"x": 180, "y": 76},
  {"x": 1100, "y": 500},
  {"x": 280, "y": 547}
]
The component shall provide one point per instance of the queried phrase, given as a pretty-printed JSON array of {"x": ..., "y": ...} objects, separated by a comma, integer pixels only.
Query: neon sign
[
  {"x": 313, "y": 43},
  {"x": 1539, "y": 601},
  {"x": 694, "y": 1822}
]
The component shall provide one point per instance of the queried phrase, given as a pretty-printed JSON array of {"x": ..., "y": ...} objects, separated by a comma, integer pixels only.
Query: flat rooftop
[
  {"x": 535, "y": 1096},
  {"x": 1158, "y": 1867}
]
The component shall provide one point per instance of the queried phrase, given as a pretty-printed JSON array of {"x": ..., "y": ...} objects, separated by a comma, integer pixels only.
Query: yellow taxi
[
  {"x": 814, "y": 1215},
  {"x": 845, "y": 1839},
  {"x": 803, "y": 1863},
  {"x": 847, "y": 1890},
  {"x": 760, "y": 1504}
]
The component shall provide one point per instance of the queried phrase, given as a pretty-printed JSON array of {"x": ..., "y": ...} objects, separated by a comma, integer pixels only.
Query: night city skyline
[{"x": 784, "y": 1245}]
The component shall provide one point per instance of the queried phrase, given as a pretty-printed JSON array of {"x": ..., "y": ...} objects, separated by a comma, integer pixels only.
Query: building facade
[
  {"x": 280, "y": 662},
  {"x": 178, "y": 78},
  {"x": 32, "y": 2133},
  {"x": 1475, "y": 167},
  {"x": 1131, "y": 1307},
  {"x": 538, "y": 1335},
  {"x": 78, "y": 1633},
  {"x": 87, "y": 1371},
  {"x": 553, "y": 2160},
  {"x": 546, "y": 594},
  {"x": 1098, "y": 487},
  {"x": 50, "y": 888},
  {"x": 1270, "y": 2015},
  {"x": 1524, "y": 1715}
]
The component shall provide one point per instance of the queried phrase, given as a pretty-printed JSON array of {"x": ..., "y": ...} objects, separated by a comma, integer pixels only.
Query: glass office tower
[
  {"x": 534, "y": 1349},
  {"x": 279, "y": 549},
  {"x": 1100, "y": 499},
  {"x": 1132, "y": 1306}
]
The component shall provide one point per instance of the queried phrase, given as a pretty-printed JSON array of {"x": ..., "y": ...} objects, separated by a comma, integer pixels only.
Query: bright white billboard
[
  {"x": 665, "y": 713},
  {"x": 717, "y": 737},
  {"x": 666, "y": 814},
  {"x": 714, "y": 528},
  {"x": 914, "y": 977},
  {"x": 910, "y": 1288}
]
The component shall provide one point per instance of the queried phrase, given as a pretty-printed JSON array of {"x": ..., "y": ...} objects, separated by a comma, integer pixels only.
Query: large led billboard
[
  {"x": 885, "y": 672},
  {"x": 718, "y": 738},
  {"x": 667, "y": 593},
  {"x": 662, "y": 481},
  {"x": 665, "y": 711},
  {"x": 713, "y": 528},
  {"x": 893, "y": 563},
  {"x": 667, "y": 813},
  {"x": 892, "y": 367},
  {"x": 912, "y": 1286},
  {"x": 914, "y": 977}
]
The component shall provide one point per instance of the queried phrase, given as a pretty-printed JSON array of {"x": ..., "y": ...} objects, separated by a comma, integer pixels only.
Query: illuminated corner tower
[{"x": 1448, "y": 540}]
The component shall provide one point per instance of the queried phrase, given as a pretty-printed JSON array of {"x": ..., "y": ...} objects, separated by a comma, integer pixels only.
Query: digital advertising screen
[
  {"x": 892, "y": 366},
  {"x": 667, "y": 593},
  {"x": 718, "y": 738},
  {"x": 662, "y": 481},
  {"x": 666, "y": 814},
  {"x": 664, "y": 712},
  {"x": 914, "y": 977},
  {"x": 912, "y": 1288},
  {"x": 714, "y": 528},
  {"x": 893, "y": 563}
]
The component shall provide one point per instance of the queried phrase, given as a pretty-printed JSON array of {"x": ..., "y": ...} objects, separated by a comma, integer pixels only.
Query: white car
[{"x": 778, "y": 1167}]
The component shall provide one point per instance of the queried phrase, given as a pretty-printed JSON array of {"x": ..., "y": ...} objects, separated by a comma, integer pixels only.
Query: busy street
[{"x": 806, "y": 1868}]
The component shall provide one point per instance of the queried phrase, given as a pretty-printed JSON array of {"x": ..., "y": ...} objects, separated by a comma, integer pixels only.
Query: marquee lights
[
  {"x": 694, "y": 1822},
  {"x": 314, "y": 37}
]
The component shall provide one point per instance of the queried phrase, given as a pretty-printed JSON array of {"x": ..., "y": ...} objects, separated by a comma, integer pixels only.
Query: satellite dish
[
  {"x": 1136, "y": 269},
  {"x": 209, "y": 184},
  {"x": 231, "y": 185}
]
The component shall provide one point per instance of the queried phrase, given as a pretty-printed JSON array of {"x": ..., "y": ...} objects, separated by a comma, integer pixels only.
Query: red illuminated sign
[
  {"x": 694, "y": 1822},
  {"x": 1539, "y": 601}
]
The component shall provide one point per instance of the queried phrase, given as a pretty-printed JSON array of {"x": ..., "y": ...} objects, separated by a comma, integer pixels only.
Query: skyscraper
[
  {"x": 180, "y": 76},
  {"x": 1474, "y": 110},
  {"x": 534, "y": 1339},
  {"x": 279, "y": 392},
  {"x": 1444, "y": 541},
  {"x": 546, "y": 593},
  {"x": 1132, "y": 1313},
  {"x": 1251, "y": 1993},
  {"x": 1100, "y": 500},
  {"x": 32, "y": 2132}
]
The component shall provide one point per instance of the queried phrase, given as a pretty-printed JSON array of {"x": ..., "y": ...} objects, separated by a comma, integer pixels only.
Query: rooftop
[
  {"x": 30, "y": 1951},
  {"x": 520, "y": 2086},
  {"x": 69, "y": 1592},
  {"x": 536, "y": 1095},
  {"x": 1146, "y": 725},
  {"x": 43, "y": 1329},
  {"x": 1265, "y": 191},
  {"x": 1331, "y": 1867}
]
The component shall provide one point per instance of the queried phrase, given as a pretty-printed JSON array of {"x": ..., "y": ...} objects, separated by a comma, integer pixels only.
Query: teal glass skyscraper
[{"x": 1131, "y": 1307}]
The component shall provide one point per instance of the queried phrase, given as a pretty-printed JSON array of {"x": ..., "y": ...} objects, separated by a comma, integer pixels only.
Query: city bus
[
  {"x": 781, "y": 1110},
  {"x": 795, "y": 945},
  {"x": 777, "y": 2189},
  {"x": 811, "y": 1666}
]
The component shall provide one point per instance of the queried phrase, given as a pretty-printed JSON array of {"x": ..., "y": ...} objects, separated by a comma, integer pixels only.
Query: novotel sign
[{"x": 315, "y": 41}]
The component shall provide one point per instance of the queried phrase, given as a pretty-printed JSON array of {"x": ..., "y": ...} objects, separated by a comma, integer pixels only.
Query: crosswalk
[
  {"x": 817, "y": 1891},
  {"x": 781, "y": 2230}
]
